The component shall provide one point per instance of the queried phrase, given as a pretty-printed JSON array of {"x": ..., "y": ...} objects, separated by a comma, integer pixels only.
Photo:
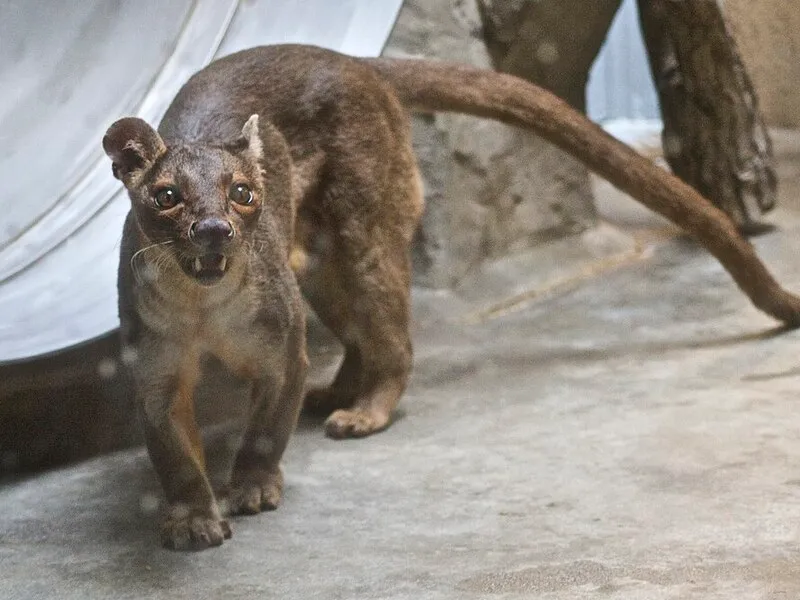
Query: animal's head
[{"x": 201, "y": 202}]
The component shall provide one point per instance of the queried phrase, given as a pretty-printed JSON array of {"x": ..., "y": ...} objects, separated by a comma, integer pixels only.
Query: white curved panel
[{"x": 67, "y": 71}]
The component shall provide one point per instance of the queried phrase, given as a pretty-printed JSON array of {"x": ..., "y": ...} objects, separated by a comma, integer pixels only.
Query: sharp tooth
[
  {"x": 222, "y": 263},
  {"x": 197, "y": 265}
]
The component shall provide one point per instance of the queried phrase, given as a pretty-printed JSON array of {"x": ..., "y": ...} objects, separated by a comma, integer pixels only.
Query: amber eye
[
  {"x": 241, "y": 194},
  {"x": 166, "y": 198}
]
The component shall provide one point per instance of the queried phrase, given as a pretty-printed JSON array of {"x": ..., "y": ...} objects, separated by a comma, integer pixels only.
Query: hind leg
[
  {"x": 344, "y": 389},
  {"x": 360, "y": 289},
  {"x": 373, "y": 326},
  {"x": 365, "y": 303},
  {"x": 385, "y": 377},
  {"x": 327, "y": 294},
  {"x": 358, "y": 230}
]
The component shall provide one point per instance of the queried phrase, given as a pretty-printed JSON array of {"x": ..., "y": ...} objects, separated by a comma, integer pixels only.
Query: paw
[
  {"x": 354, "y": 423},
  {"x": 188, "y": 528},
  {"x": 323, "y": 401},
  {"x": 249, "y": 494}
]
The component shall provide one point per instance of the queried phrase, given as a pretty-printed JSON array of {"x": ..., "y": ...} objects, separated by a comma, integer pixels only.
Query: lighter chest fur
[{"x": 220, "y": 320}]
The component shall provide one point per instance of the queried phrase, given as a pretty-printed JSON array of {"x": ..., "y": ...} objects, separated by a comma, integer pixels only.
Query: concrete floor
[{"x": 624, "y": 427}]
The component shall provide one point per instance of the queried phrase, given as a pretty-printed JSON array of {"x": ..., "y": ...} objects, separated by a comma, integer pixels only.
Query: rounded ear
[{"x": 133, "y": 146}]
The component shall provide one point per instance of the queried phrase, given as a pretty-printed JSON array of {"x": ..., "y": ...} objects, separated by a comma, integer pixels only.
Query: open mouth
[{"x": 208, "y": 268}]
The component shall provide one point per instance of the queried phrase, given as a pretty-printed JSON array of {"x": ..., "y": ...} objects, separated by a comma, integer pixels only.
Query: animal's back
[{"x": 305, "y": 91}]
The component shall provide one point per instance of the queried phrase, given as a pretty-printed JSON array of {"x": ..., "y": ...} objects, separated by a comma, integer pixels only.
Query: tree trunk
[
  {"x": 551, "y": 43},
  {"x": 714, "y": 135}
]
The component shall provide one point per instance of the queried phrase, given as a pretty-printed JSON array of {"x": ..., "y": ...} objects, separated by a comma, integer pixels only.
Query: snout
[
  {"x": 212, "y": 237},
  {"x": 212, "y": 233}
]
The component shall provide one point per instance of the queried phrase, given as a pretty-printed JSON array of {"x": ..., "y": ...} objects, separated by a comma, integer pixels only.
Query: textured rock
[{"x": 491, "y": 190}]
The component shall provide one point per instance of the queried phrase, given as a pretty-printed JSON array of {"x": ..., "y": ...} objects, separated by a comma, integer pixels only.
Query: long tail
[{"x": 431, "y": 86}]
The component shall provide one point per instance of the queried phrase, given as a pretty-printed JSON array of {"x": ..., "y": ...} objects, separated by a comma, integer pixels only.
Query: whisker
[
  {"x": 136, "y": 272},
  {"x": 140, "y": 251},
  {"x": 161, "y": 261}
]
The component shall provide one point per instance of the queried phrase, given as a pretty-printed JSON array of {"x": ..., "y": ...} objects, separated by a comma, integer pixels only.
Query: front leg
[
  {"x": 257, "y": 480},
  {"x": 166, "y": 379}
]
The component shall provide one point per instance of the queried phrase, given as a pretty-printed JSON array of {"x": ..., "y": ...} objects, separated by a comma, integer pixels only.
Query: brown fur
[
  {"x": 339, "y": 198},
  {"x": 251, "y": 319}
]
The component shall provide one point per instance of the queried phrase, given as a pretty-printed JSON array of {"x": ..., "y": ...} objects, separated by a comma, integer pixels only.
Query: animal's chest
[
  {"x": 243, "y": 344},
  {"x": 232, "y": 331}
]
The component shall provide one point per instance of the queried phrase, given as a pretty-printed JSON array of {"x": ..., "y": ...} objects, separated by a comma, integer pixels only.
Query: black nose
[{"x": 211, "y": 232}]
